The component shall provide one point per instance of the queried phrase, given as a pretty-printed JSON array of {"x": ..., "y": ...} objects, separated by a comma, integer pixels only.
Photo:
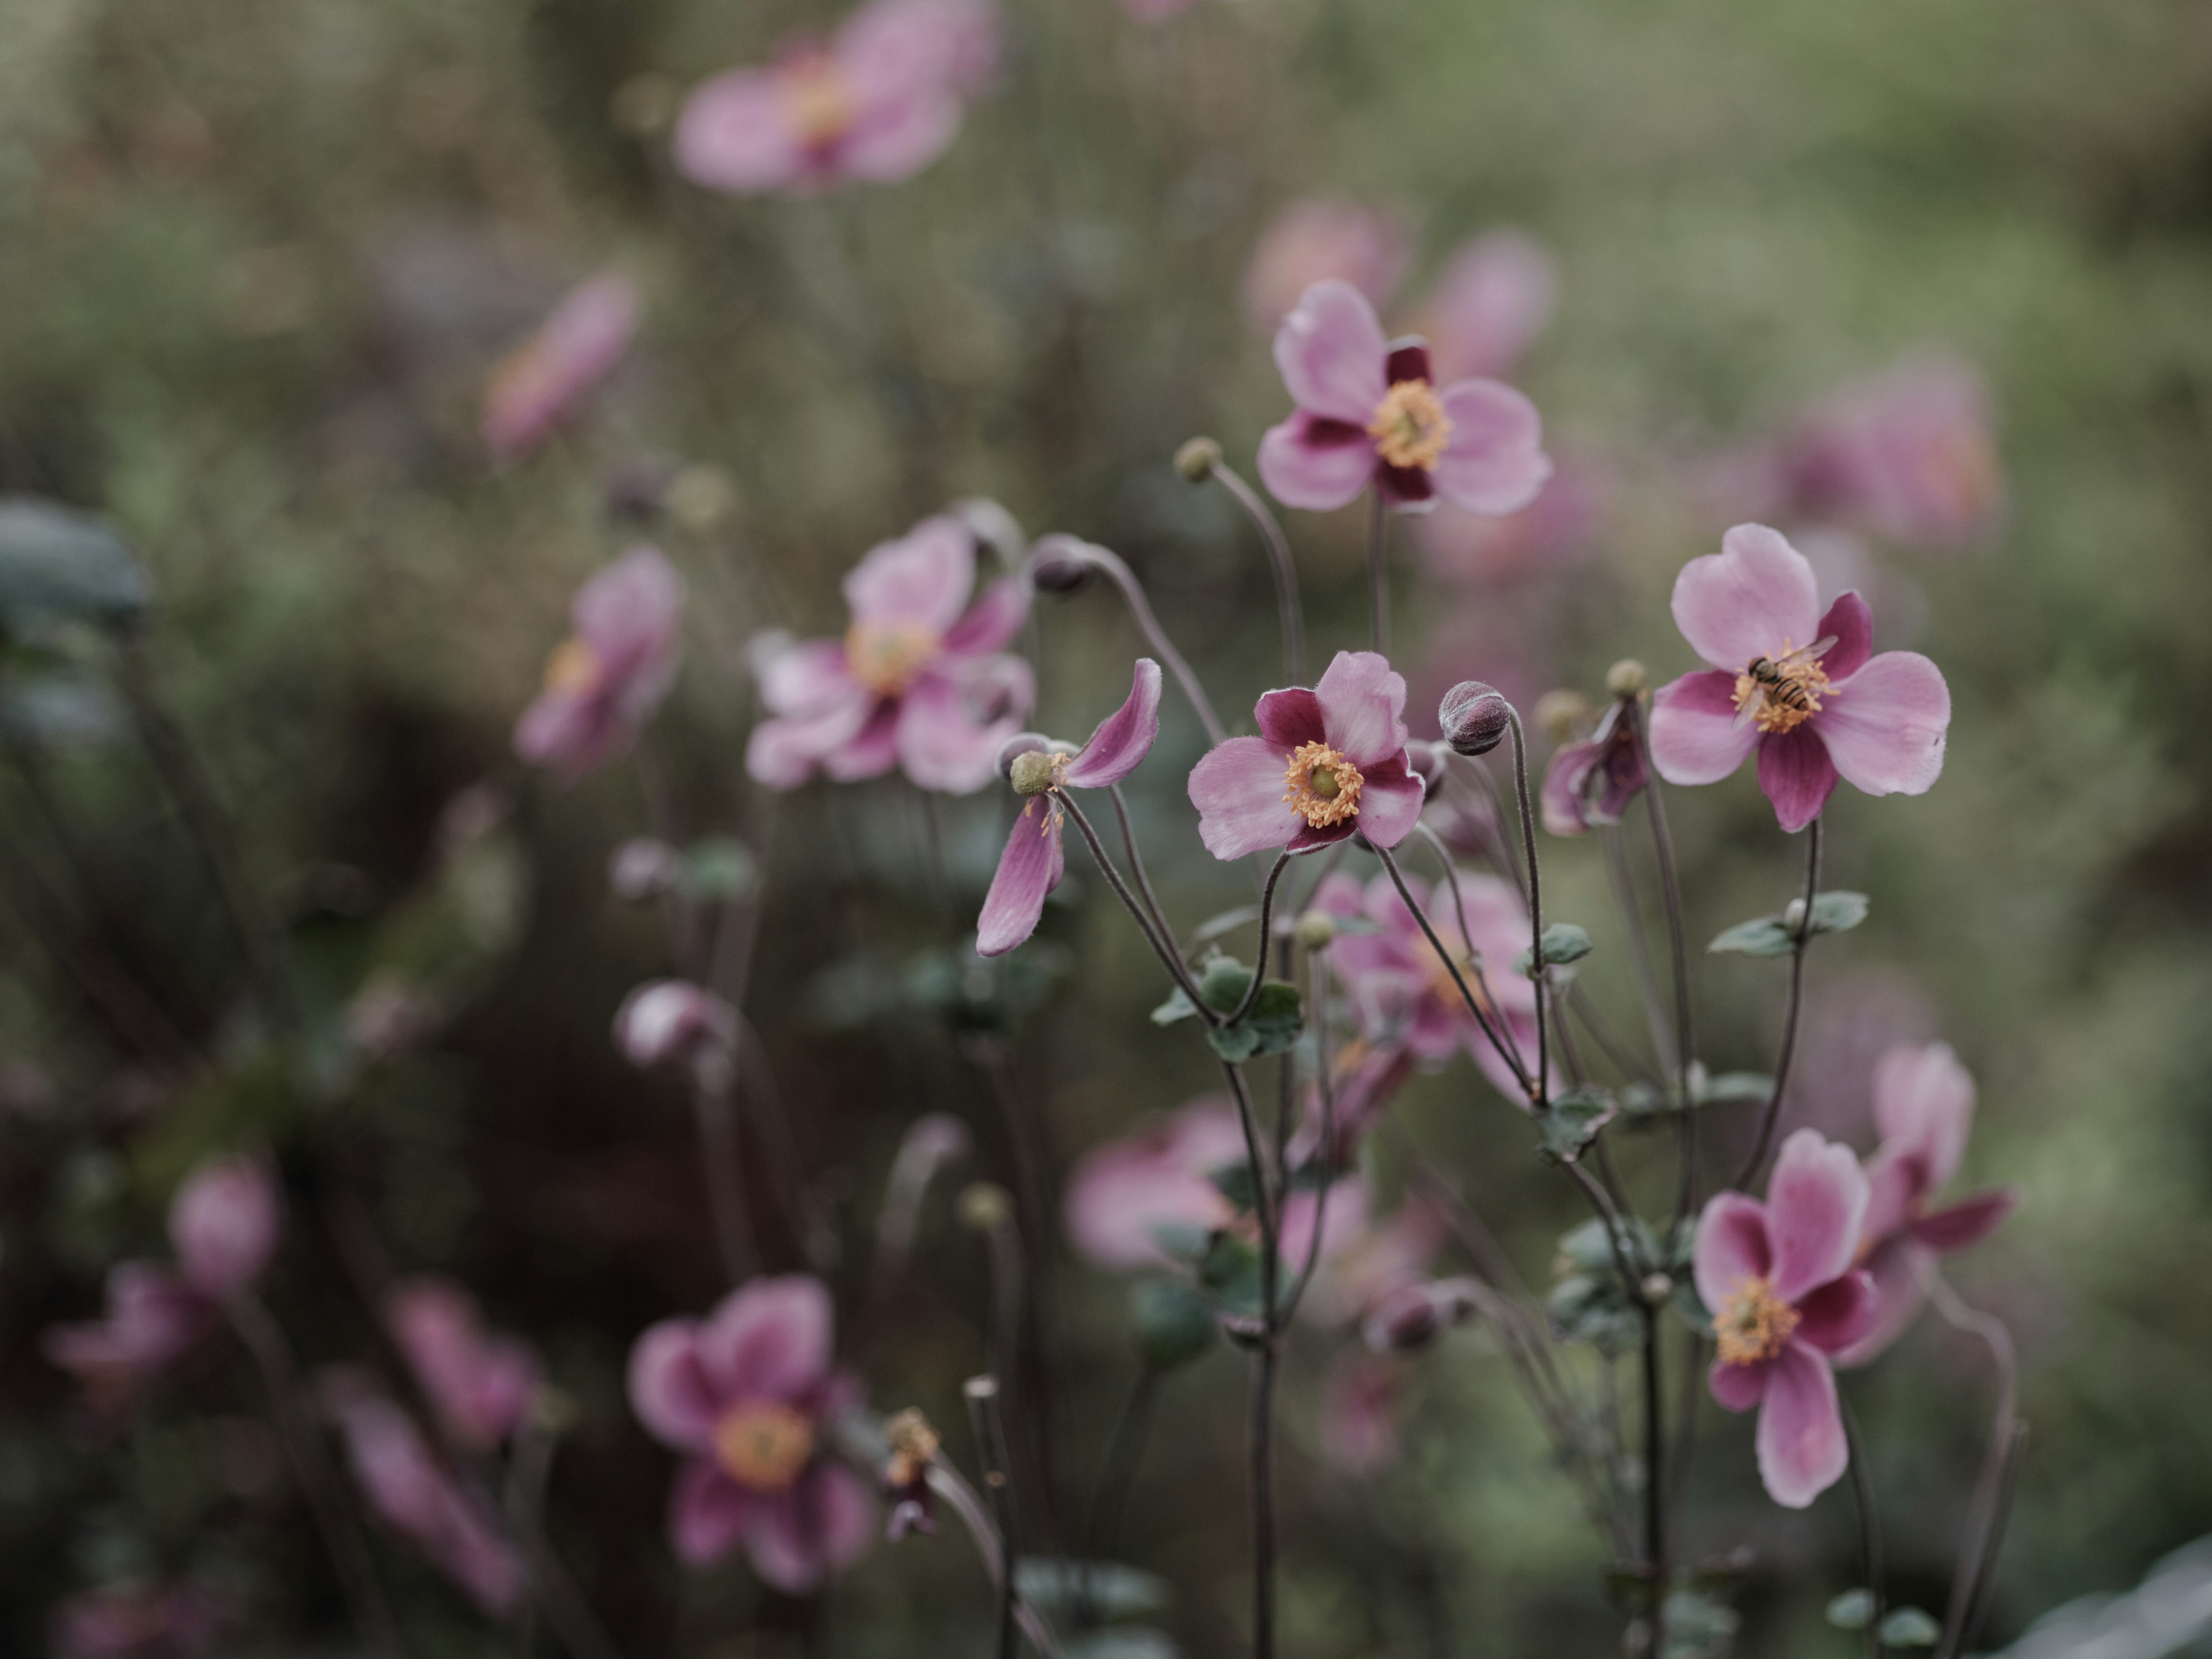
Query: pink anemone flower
[
  {"x": 1122, "y": 1196},
  {"x": 480, "y": 1383},
  {"x": 549, "y": 376},
  {"x": 1785, "y": 1295},
  {"x": 152, "y": 1319},
  {"x": 1369, "y": 411},
  {"x": 1593, "y": 782},
  {"x": 1401, "y": 992},
  {"x": 1923, "y": 1105},
  {"x": 746, "y": 1394},
  {"x": 1492, "y": 301},
  {"x": 1364, "y": 1260},
  {"x": 165, "y": 1621},
  {"x": 605, "y": 680},
  {"x": 1317, "y": 238},
  {"x": 920, "y": 681},
  {"x": 1803, "y": 688},
  {"x": 223, "y": 1223},
  {"x": 1908, "y": 455},
  {"x": 1328, "y": 763},
  {"x": 880, "y": 102},
  {"x": 1033, "y": 863}
]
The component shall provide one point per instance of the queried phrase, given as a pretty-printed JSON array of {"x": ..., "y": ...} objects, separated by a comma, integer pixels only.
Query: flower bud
[
  {"x": 1057, "y": 565},
  {"x": 1560, "y": 712},
  {"x": 1411, "y": 1318},
  {"x": 1022, "y": 743},
  {"x": 1626, "y": 679},
  {"x": 702, "y": 497},
  {"x": 1425, "y": 761},
  {"x": 1031, "y": 772},
  {"x": 1656, "y": 1288},
  {"x": 983, "y": 1207},
  {"x": 1196, "y": 459},
  {"x": 1475, "y": 717},
  {"x": 1317, "y": 931},
  {"x": 224, "y": 1223},
  {"x": 644, "y": 868},
  {"x": 672, "y": 1019}
]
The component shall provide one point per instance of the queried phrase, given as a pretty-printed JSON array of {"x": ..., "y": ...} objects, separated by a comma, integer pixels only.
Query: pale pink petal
[
  {"x": 1331, "y": 350},
  {"x": 1802, "y": 1447},
  {"x": 708, "y": 1514},
  {"x": 1694, "y": 735},
  {"x": 1311, "y": 240},
  {"x": 1732, "y": 1247},
  {"x": 631, "y": 612},
  {"x": 1850, "y": 621},
  {"x": 544, "y": 381},
  {"x": 1238, "y": 787},
  {"x": 1816, "y": 1204},
  {"x": 995, "y": 617},
  {"x": 223, "y": 1222},
  {"x": 1745, "y": 600},
  {"x": 1363, "y": 707},
  {"x": 734, "y": 135},
  {"x": 1897, "y": 1269},
  {"x": 922, "y": 578},
  {"x": 1966, "y": 1223},
  {"x": 1491, "y": 303},
  {"x": 901, "y": 47},
  {"x": 1738, "y": 1387},
  {"x": 1030, "y": 868},
  {"x": 1315, "y": 463},
  {"x": 1796, "y": 775},
  {"x": 1125, "y": 737},
  {"x": 769, "y": 1339},
  {"x": 1289, "y": 718},
  {"x": 1494, "y": 462},
  {"x": 1924, "y": 1103},
  {"x": 1119, "y": 1194},
  {"x": 897, "y": 139},
  {"x": 669, "y": 1388},
  {"x": 941, "y": 746},
  {"x": 783, "y": 754},
  {"x": 1885, "y": 725},
  {"x": 1838, "y": 1313},
  {"x": 1896, "y": 1180},
  {"x": 1559, "y": 800},
  {"x": 872, "y": 748},
  {"x": 798, "y": 1538},
  {"x": 1341, "y": 895},
  {"x": 805, "y": 679},
  {"x": 1389, "y": 806}
]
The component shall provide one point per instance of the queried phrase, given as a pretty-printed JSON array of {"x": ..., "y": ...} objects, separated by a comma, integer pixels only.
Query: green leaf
[
  {"x": 720, "y": 869},
  {"x": 1595, "y": 1308},
  {"x": 1177, "y": 1007},
  {"x": 1765, "y": 937},
  {"x": 1230, "y": 1275},
  {"x": 1564, "y": 943},
  {"x": 57, "y": 567},
  {"x": 1699, "y": 1625},
  {"x": 1776, "y": 936},
  {"x": 1852, "y": 1610},
  {"x": 1735, "y": 1086},
  {"x": 1839, "y": 912},
  {"x": 1106, "y": 1588},
  {"x": 1909, "y": 1627},
  {"x": 1272, "y": 1027},
  {"x": 1573, "y": 1122},
  {"x": 1174, "y": 1324},
  {"x": 1234, "y": 1182},
  {"x": 1222, "y": 983}
]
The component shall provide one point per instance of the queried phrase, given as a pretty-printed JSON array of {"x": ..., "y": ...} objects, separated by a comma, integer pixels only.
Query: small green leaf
[
  {"x": 1564, "y": 943},
  {"x": 1272, "y": 1027},
  {"x": 1735, "y": 1086},
  {"x": 1588, "y": 1308},
  {"x": 1234, "y": 1182},
  {"x": 1837, "y": 912},
  {"x": 1909, "y": 1627},
  {"x": 1222, "y": 983},
  {"x": 1698, "y": 1627},
  {"x": 1229, "y": 1274},
  {"x": 57, "y": 566},
  {"x": 1573, "y": 1122},
  {"x": 1765, "y": 937},
  {"x": 1105, "y": 1587},
  {"x": 720, "y": 869},
  {"x": 1177, "y": 1007},
  {"x": 1852, "y": 1610},
  {"x": 1174, "y": 1324}
]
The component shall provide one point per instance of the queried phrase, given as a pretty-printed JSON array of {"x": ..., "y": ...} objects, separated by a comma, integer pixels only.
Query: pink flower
[
  {"x": 166, "y": 1621},
  {"x": 1032, "y": 864},
  {"x": 1552, "y": 532},
  {"x": 1402, "y": 992},
  {"x": 550, "y": 375},
  {"x": 1328, "y": 763},
  {"x": 1785, "y": 1296},
  {"x": 1364, "y": 1078},
  {"x": 917, "y": 682},
  {"x": 879, "y": 102},
  {"x": 1364, "y": 1261},
  {"x": 1751, "y": 611},
  {"x": 672, "y": 1019},
  {"x": 1593, "y": 782},
  {"x": 1490, "y": 304},
  {"x": 1908, "y": 455},
  {"x": 1121, "y": 1196},
  {"x": 1370, "y": 412},
  {"x": 745, "y": 1394},
  {"x": 480, "y": 1384},
  {"x": 152, "y": 1319},
  {"x": 412, "y": 1493},
  {"x": 224, "y": 1223},
  {"x": 1359, "y": 1412},
  {"x": 604, "y": 682},
  {"x": 1317, "y": 238},
  {"x": 1923, "y": 1105}
]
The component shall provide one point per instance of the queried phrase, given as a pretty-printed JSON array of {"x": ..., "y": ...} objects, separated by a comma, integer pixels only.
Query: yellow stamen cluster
[
  {"x": 1409, "y": 426},
  {"x": 1322, "y": 787},
  {"x": 764, "y": 1445},
  {"x": 817, "y": 101},
  {"x": 571, "y": 667},
  {"x": 1754, "y": 1323},
  {"x": 913, "y": 1447},
  {"x": 1786, "y": 707},
  {"x": 888, "y": 657}
]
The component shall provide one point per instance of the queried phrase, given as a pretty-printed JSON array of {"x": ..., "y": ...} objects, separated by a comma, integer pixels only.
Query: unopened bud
[
  {"x": 1657, "y": 1287},
  {"x": 1031, "y": 772},
  {"x": 1475, "y": 717},
  {"x": 1425, "y": 761},
  {"x": 643, "y": 868},
  {"x": 1196, "y": 459},
  {"x": 1317, "y": 930},
  {"x": 1559, "y": 713},
  {"x": 1412, "y": 1317},
  {"x": 984, "y": 1206},
  {"x": 1626, "y": 678},
  {"x": 1057, "y": 565}
]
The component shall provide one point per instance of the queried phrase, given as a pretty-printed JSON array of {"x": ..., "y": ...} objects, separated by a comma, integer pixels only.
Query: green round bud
[
  {"x": 1560, "y": 712},
  {"x": 1317, "y": 931},
  {"x": 1196, "y": 459},
  {"x": 1031, "y": 773},
  {"x": 1626, "y": 679}
]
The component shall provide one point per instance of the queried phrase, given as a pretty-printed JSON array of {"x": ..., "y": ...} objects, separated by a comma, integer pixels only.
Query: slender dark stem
[
  {"x": 556, "y": 1596},
  {"x": 1279, "y": 562},
  {"x": 1140, "y": 611},
  {"x": 1163, "y": 947},
  {"x": 1473, "y": 963},
  {"x": 1261, "y": 1448},
  {"x": 1670, "y": 888},
  {"x": 960, "y": 1498},
  {"x": 1267, "y": 926},
  {"x": 1654, "y": 1478},
  {"x": 1986, "y": 1570},
  {"x": 1869, "y": 1525},
  {"x": 1640, "y": 947},
  {"x": 1123, "y": 1452},
  {"x": 1326, "y": 1151},
  {"x": 1508, "y": 857},
  {"x": 1773, "y": 1113},
  {"x": 1535, "y": 907},
  {"x": 1504, "y": 1048},
  {"x": 1137, "y": 865},
  {"x": 799, "y": 1199},
  {"x": 715, "y": 1117},
  {"x": 1379, "y": 574},
  {"x": 982, "y": 1396},
  {"x": 1982, "y": 1518}
]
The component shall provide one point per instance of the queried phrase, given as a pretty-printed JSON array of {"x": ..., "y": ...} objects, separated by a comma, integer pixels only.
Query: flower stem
[
  {"x": 960, "y": 1498},
  {"x": 1654, "y": 1479},
  {"x": 1140, "y": 612},
  {"x": 1163, "y": 946},
  {"x": 715, "y": 1118},
  {"x": 1379, "y": 574},
  {"x": 1267, "y": 926},
  {"x": 1123, "y": 1451},
  {"x": 1259, "y": 1448},
  {"x": 982, "y": 1396},
  {"x": 1502, "y": 1044},
  {"x": 1327, "y": 1150},
  {"x": 1535, "y": 907},
  {"x": 1983, "y": 1518},
  {"x": 555, "y": 1594},
  {"x": 1640, "y": 947},
  {"x": 1279, "y": 562},
  {"x": 1869, "y": 1525},
  {"x": 1790, "y": 1016},
  {"x": 1670, "y": 887},
  {"x": 1137, "y": 865}
]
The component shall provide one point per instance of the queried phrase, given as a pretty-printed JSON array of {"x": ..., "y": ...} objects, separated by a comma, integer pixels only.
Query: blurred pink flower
[
  {"x": 1365, "y": 1077},
  {"x": 1907, "y": 455},
  {"x": 1328, "y": 763},
  {"x": 1923, "y": 1105},
  {"x": 1120, "y": 1195},
  {"x": 918, "y": 682},
  {"x": 1492, "y": 301},
  {"x": 1364, "y": 1261},
  {"x": 1313, "y": 239},
  {"x": 223, "y": 1223},
  {"x": 549, "y": 376},
  {"x": 604, "y": 682},
  {"x": 152, "y": 1319},
  {"x": 165, "y": 1621},
  {"x": 1369, "y": 412},
  {"x": 1785, "y": 1295},
  {"x": 480, "y": 1383},
  {"x": 1591, "y": 782},
  {"x": 672, "y": 1019},
  {"x": 1032, "y": 864},
  {"x": 880, "y": 102},
  {"x": 1359, "y": 1412},
  {"x": 1552, "y": 532},
  {"x": 745, "y": 1394},
  {"x": 1877, "y": 721}
]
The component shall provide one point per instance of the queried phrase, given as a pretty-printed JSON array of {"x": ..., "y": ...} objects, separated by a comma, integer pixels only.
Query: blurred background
[{"x": 1925, "y": 284}]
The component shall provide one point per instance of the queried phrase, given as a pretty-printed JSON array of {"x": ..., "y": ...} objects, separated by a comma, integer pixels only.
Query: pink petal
[
  {"x": 1897, "y": 1269},
  {"x": 1852, "y": 623},
  {"x": 902, "y": 47},
  {"x": 1315, "y": 463},
  {"x": 941, "y": 746},
  {"x": 1363, "y": 707},
  {"x": 545, "y": 380},
  {"x": 1694, "y": 736},
  {"x": 783, "y": 754},
  {"x": 897, "y": 138},
  {"x": 1802, "y": 1449},
  {"x": 1331, "y": 350},
  {"x": 1030, "y": 868},
  {"x": 1237, "y": 787},
  {"x": 798, "y": 1538},
  {"x": 1389, "y": 805},
  {"x": 1796, "y": 775},
  {"x": 805, "y": 679},
  {"x": 1560, "y": 798},
  {"x": 669, "y": 1388},
  {"x": 1491, "y": 303},
  {"x": 1310, "y": 240},
  {"x": 1341, "y": 895},
  {"x": 1121, "y": 1193},
  {"x": 1359, "y": 1412},
  {"x": 1125, "y": 737},
  {"x": 1738, "y": 1387},
  {"x": 872, "y": 750},
  {"x": 708, "y": 1514},
  {"x": 1897, "y": 1180},
  {"x": 1885, "y": 725},
  {"x": 732, "y": 135},
  {"x": 1924, "y": 1104},
  {"x": 769, "y": 1341},
  {"x": 1493, "y": 463},
  {"x": 1968, "y": 1222},
  {"x": 631, "y": 612},
  {"x": 922, "y": 578},
  {"x": 1838, "y": 1313},
  {"x": 223, "y": 1222},
  {"x": 1732, "y": 1246},
  {"x": 1288, "y": 719},
  {"x": 995, "y": 617},
  {"x": 1816, "y": 1204},
  {"x": 1745, "y": 600}
]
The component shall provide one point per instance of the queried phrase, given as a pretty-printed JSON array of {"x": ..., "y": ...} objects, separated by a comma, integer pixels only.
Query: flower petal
[
  {"x": 1745, "y": 600},
  {"x": 1851, "y": 623},
  {"x": 1796, "y": 775},
  {"x": 1896, "y": 1180},
  {"x": 732, "y": 135},
  {"x": 1119, "y": 1194},
  {"x": 1694, "y": 735},
  {"x": 898, "y": 138},
  {"x": 1738, "y": 1387},
  {"x": 921, "y": 577},
  {"x": 1838, "y": 1313},
  {"x": 669, "y": 1389},
  {"x": 1289, "y": 718},
  {"x": 826, "y": 1522},
  {"x": 1028, "y": 870},
  {"x": 1966, "y": 1223},
  {"x": 996, "y": 616},
  {"x": 1732, "y": 1246},
  {"x": 804, "y": 679},
  {"x": 1923, "y": 1105},
  {"x": 1125, "y": 737},
  {"x": 1802, "y": 1447},
  {"x": 1389, "y": 805},
  {"x": 783, "y": 754},
  {"x": 1315, "y": 463},
  {"x": 1493, "y": 463},
  {"x": 1815, "y": 1206},
  {"x": 1237, "y": 787},
  {"x": 1899, "y": 1270},
  {"x": 769, "y": 1339},
  {"x": 872, "y": 750},
  {"x": 1363, "y": 707},
  {"x": 1559, "y": 800},
  {"x": 1331, "y": 350},
  {"x": 1885, "y": 725},
  {"x": 708, "y": 1513},
  {"x": 940, "y": 745}
]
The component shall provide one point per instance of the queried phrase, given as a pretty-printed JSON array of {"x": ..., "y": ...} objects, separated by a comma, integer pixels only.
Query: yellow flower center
[
  {"x": 1409, "y": 426},
  {"x": 816, "y": 100},
  {"x": 1754, "y": 1323},
  {"x": 1321, "y": 785},
  {"x": 1789, "y": 693},
  {"x": 762, "y": 1446},
  {"x": 571, "y": 667},
  {"x": 888, "y": 657}
]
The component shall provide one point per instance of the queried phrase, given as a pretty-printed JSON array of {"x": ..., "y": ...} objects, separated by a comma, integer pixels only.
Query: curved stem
[
  {"x": 1115, "y": 1479},
  {"x": 1326, "y": 1151},
  {"x": 1982, "y": 1517},
  {"x": 1640, "y": 947},
  {"x": 1379, "y": 574},
  {"x": 1473, "y": 964},
  {"x": 1137, "y": 865},
  {"x": 715, "y": 1118},
  {"x": 961, "y": 1498},
  {"x": 1162, "y": 948},
  {"x": 1869, "y": 1525},
  {"x": 1535, "y": 907},
  {"x": 555, "y": 1594},
  {"x": 1279, "y": 562},
  {"x": 1140, "y": 612},
  {"x": 1505, "y": 1049},
  {"x": 1266, "y": 925},
  {"x": 1670, "y": 888},
  {"x": 982, "y": 1396},
  {"x": 1790, "y": 1016}
]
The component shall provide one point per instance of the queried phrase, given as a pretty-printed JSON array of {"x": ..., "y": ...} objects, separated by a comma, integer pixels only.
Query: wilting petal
[
  {"x": 1030, "y": 868},
  {"x": 940, "y": 745},
  {"x": 1311, "y": 462},
  {"x": 1838, "y": 1313},
  {"x": 1885, "y": 725},
  {"x": 1924, "y": 1104},
  {"x": 1745, "y": 600},
  {"x": 669, "y": 1388},
  {"x": 1363, "y": 707},
  {"x": 1966, "y": 1223},
  {"x": 1493, "y": 463},
  {"x": 1237, "y": 787},
  {"x": 708, "y": 1513},
  {"x": 1851, "y": 623},
  {"x": 1330, "y": 349},
  {"x": 995, "y": 617},
  {"x": 798, "y": 1538},
  {"x": 1738, "y": 1387},
  {"x": 1125, "y": 737},
  {"x": 1732, "y": 1246},
  {"x": 1815, "y": 1206},
  {"x": 1796, "y": 775},
  {"x": 1289, "y": 718},
  {"x": 1694, "y": 735},
  {"x": 1560, "y": 798},
  {"x": 769, "y": 1339},
  {"x": 1897, "y": 1269},
  {"x": 1802, "y": 1447},
  {"x": 1389, "y": 805},
  {"x": 922, "y": 578}
]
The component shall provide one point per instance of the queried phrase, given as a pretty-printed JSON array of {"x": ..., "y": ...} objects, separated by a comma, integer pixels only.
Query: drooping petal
[
  {"x": 733, "y": 135},
  {"x": 1694, "y": 735},
  {"x": 708, "y": 1514},
  {"x": 1331, "y": 350},
  {"x": 1289, "y": 718},
  {"x": 1802, "y": 1447},
  {"x": 1838, "y": 1313},
  {"x": 1237, "y": 787},
  {"x": 1493, "y": 463},
  {"x": 1389, "y": 804},
  {"x": 996, "y": 616},
  {"x": 1745, "y": 600},
  {"x": 769, "y": 1339},
  {"x": 1732, "y": 1246},
  {"x": 1815, "y": 1206},
  {"x": 1851, "y": 623},
  {"x": 1795, "y": 776},
  {"x": 922, "y": 578},
  {"x": 799, "y": 1538},
  {"x": 1125, "y": 737},
  {"x": 941, "y": 746},
  {"x": 1966, "y": 1223},
  {"x": 1899, "y": 1270},
  {"x": 1897, "y": 1180},
  {"x": 669, "y": 1388},
  {"x": 1923, "y": 1103},
  {"x": 1559, "y": 800},
  {"x": 1363, "y": 707},
  {"x": 1738, "y": 1387},
  {"x": 1885, "y": 726},
  {"x": 1314, "y": 463},
  {"x": 1030, "y": 868}
]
